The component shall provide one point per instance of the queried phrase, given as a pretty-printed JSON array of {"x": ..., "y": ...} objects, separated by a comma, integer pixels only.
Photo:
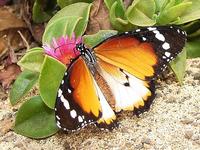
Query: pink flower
[{"x": 63, "y": 48}]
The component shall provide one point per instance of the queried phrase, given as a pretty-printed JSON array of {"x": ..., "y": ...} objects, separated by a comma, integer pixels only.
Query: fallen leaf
[
  {"x": 8, "y": 75},
  {"x": 11, "y": 39},
  {"x": 10, "y": 20},
  {"x": 10, "y": 24},
  {"x": 36, "y": 30},
  {"x": 99, "y": 18}
]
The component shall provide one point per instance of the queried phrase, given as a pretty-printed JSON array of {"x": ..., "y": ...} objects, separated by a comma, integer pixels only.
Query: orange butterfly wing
[
  {"x": 130, "y": 61},
  {"x": 129, "y": 54},
  {"x": 130, "y": 93},
  {"x": 80, "y": 101},
  {"x": 84, "y": 89}
]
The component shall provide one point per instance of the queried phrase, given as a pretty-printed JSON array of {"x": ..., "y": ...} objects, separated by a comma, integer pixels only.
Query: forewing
[
  {"x": 80, "y": 101},
  {"x": 77, "y": 102},
  {"x": 144, "y": 52}
]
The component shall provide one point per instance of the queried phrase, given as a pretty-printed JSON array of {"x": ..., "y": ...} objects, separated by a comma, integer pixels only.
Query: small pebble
[
  {"x": 195, "y": 124},
  {"x": 14, "y": 109},
  {"x": 66, "y": 146},
  {"x": 146, "y": 146},
  {"x": 195, "y": 137},
  {"x": 139, "y": 146},
  {"x": 158, "y": 95},
  {"x": 188, "y": 134},
  {"x": 196, "y": 76},
  {"x": 171, "y": 99},
  {"x": 189, "y": 72},
  {"x": 186, "y": 121},
  {"x": 20, "y": 146},
  {"x": 146, "y": 140}
]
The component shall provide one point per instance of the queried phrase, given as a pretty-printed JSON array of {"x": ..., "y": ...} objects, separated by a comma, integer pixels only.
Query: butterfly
[{"x": 118, "y": 74}]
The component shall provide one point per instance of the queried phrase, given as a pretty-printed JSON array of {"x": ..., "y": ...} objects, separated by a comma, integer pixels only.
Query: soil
[{"x": 173, "y": 122}]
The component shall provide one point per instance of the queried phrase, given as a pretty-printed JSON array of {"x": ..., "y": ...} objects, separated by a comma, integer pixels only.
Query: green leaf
[
  {"x": 72, "y": 18},
  {"x": 193, "y": 48},
  {"x": 170, "y": 4},
  {"x": 192, "y": 13},
  {"x": 171, "y": 14},
  {"x": 93, "y": 40},
  {"x": 138, "y": 17},
  {"x": 120, "y": 9},
  {"x": 195, "y": 34},
  {"x": 49, "y": 80},
  {"x": 61, "y": 27},
  {"x": 117, "y": 22},
  {"x": 178, "y": 66},
  {"x": 22, "y": 85},
  {"x": 160, "y": 4},
  {"x": 109, "y": 3},
  {"x": 147, "y": 8},
  {"x": 35, "y": 120},
  {"x": 33, "y": 59},
  {"x": 63, "y": 3},
  {"x": 192, "y": 27},
  {"x": 178, "y": 1},
  {"x": 43, "y": 10}
]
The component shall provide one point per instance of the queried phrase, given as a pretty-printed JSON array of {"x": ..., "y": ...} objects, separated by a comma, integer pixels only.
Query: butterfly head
[
  {"x": 81, "y": 48},
  {"x": 86, "y": 53}
]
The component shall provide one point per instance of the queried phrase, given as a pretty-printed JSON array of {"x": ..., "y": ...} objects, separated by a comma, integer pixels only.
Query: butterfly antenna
[{"x": 58, "y": 48}]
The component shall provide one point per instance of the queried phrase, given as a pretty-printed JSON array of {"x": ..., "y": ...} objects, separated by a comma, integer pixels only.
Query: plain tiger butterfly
[{"x": 117, "y": 74}]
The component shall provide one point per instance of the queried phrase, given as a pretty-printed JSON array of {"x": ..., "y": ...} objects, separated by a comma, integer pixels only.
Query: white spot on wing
[
  {"x": 57, "y": 117},
  {"x": 73, "y": 113},
  {"x": 80, "y": 119},
  {"x": 59, "y": 93},
  {"x": 166, "y": 46},
  {"x": 151, "y": 28},
  {"x": 69, "y": 91},
  {"x": 65, "y": 102},
  {"x": 144, "y": 39},
  {"x": 62, "y": 82},
  {"x": 138, "y": 30},
  {"x": 159, "y": 36},
  {"x": 167, "y": 54},
  {"x": 58, "y": 124}
]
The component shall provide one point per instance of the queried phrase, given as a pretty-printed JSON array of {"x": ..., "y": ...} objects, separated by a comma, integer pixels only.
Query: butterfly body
[{"x": 117, "y": 74}]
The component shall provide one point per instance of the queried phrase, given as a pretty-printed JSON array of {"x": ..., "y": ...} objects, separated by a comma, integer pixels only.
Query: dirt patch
[{"x": 173, "y": 122}]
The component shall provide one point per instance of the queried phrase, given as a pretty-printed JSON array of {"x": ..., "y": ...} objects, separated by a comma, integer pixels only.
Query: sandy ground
[{"x": 173, "y": 122}]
